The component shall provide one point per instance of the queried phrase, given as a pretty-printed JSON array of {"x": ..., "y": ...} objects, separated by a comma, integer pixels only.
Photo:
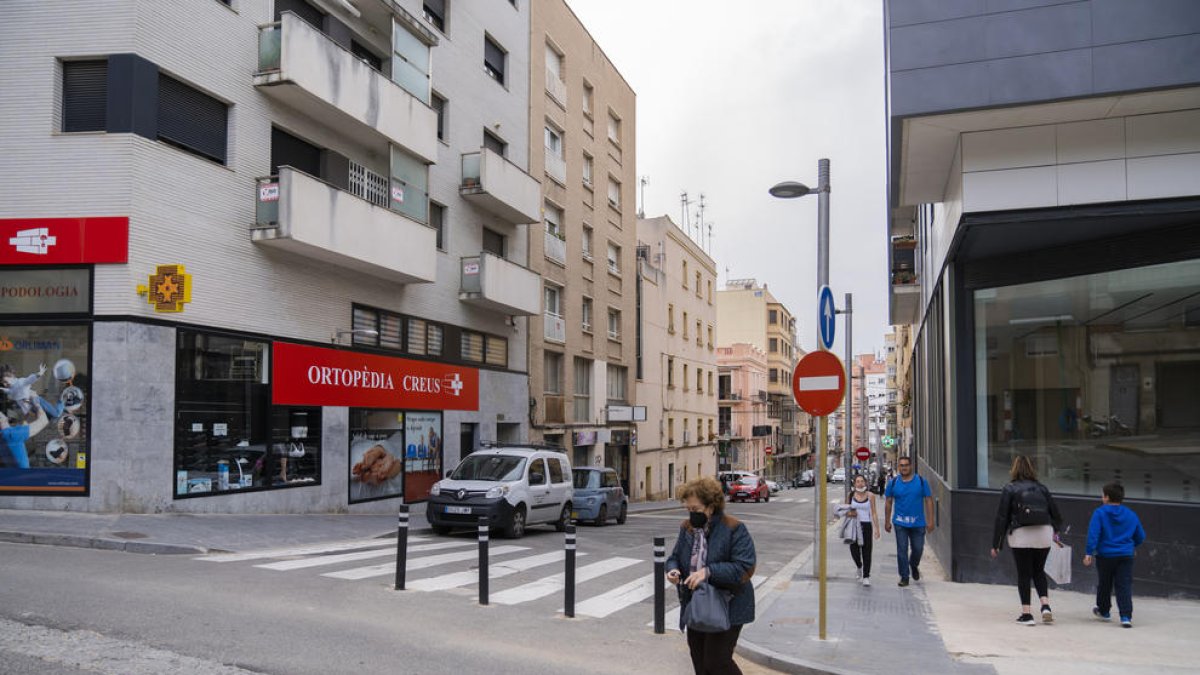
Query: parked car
[
  {"x": 749, "y": 487},
  {"x": 598, "y": 495},
  {"x": 805, "y": 478},
  {"x": 838, "y": 476},
  {"x": 773, "y": 487},
  {"x": 513, "y": 486}
]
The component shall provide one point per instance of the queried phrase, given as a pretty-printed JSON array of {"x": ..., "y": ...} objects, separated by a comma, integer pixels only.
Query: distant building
[{"x": 744, "y": 427}]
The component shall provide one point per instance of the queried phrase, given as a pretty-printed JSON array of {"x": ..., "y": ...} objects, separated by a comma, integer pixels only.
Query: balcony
[
  {"x": 500, "y": 187},
  {"x": 556, "y": 248},
  {"x": 555, "y": 329},
  {"x": 491, "y": 282},
  {"x": 303, "y": 215},
  {"x": 302, "y": 68},
  {"x": 556, "y": 166},
  {"x": 554, "y": 409},
  {"x": 556, "y": 87}
]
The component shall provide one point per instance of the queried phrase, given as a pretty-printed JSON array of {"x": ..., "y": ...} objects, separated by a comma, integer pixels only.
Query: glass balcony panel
[{"x": 269, "y": 47}]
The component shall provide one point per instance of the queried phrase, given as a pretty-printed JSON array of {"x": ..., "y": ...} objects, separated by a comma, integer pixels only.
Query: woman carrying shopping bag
[
  {"x": 861, "y": 508},
  {"x": 1030, "y": 518}
]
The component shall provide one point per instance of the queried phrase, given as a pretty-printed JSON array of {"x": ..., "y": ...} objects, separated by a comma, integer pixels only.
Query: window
[
  {"x": 417, "y": 336},
  {"x": 387, "y": 325},
  {"x": 698, "y": 343},
  {"x": 772, "y": 317},
  {"x": 685, "y": 441},
  {"x": 494, "y": 58},
  {"x": 409, "y": 185},
  {"x": 84, "y": 95},
  {"x": 773, "y": 345},
  {"x": 614, "y": 324},
  {"x": 670, "y": 372},
  {"x": 710, "y": 387},
  {"x": 367, "y": 184},
  {"x": 614, "y": 193},
  {"x": 497, "y": 351},
  {"x": 494, "y": 143},
  {"x": 554, "y": 68},
  {"x": 670, "y": 431},
  {"x": 586, "y": 314},
  {"x": 557, "y": 475},
  {"x": 708, "y": 292},
  {"x": 587, "y": 170},
  {"x": 711, "y": 435},
  {"x": 683, "y": 276},
  {"x": 710, "y": 341},
  {"x": 697, "y": 284},
  {"x": 435, "y": 13},
  {"x": 191, "y": 120},
  {"x": 554, "y": 218},
  {"x": 699, "y": 432},
  {"x": 685, "y": 326},
  {"x": 685, "y": 377},
  {"x": 288, "y": 150},
  {"x": 554, "y": 142},
  {"x": 364, "y": 54},
  {"x": 614, "y": 128},
  {"x": 589, "y": 96},
  {"x": 671, "y": 319},
  {"x": 437, "y": 219},
  {"x": 587, "y": 242},
  {"x": 553, "y": 374},
  {"x": 302, "y": 9},
  {"x": 583, "y": 390},
  {"x": 439, "y": 107},
  {"x": 553, "y": 296},
  {"x": 699, "y": 381},
  {"x": 774, "y": 376},
  {"x": 614, "y": 258},
  {"x": 493, "y": 242},
  {"x": 410, "y": 62},
  {"x": 471, "y": 346},
  {"x": 616, "y": 383}
]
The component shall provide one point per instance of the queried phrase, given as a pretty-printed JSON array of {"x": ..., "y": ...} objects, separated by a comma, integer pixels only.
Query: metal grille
[{"x": 369, "y": 185}]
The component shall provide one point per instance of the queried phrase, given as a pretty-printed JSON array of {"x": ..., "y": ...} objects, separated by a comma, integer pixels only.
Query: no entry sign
[
  {"x": 862, "y": 454},
  {"x": 819, "y": 383}
]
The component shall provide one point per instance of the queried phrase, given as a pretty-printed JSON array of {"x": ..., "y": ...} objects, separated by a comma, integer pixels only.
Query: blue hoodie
[{"x": 1114, "y": 532}]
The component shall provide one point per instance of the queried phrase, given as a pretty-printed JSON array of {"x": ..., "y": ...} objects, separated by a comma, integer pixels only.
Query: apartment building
[
  {"x": 1044, "y": 231},
  {"x": 677, "y": 361},
  {"x": 744, "y": 427},
  {"x": 748, "y": 312},
  {"x": 270, "y": 252},
  {"x": 582, "y": 353}
]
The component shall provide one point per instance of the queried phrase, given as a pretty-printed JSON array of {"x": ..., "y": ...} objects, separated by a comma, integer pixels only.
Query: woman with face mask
[
  {"x": 716, "y": 548},
  {"x": 861, "y": 505}
]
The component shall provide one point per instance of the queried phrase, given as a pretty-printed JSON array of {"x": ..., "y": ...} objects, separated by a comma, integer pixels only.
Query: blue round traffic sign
[{"x": 826, "y": 317}]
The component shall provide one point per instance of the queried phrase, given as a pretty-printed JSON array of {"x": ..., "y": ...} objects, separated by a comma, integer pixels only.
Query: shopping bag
[
  {"x": 708, "y": 611},
  {"x": 1058, "y": 564}
]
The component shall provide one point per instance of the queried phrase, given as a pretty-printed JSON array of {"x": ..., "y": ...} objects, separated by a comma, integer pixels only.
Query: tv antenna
[{"x": 642, "y": 182}]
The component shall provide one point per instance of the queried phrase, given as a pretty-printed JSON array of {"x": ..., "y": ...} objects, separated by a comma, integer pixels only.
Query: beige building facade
[
  {"x": 677, "y": 366},
  {"x": 582, "y": 344}
]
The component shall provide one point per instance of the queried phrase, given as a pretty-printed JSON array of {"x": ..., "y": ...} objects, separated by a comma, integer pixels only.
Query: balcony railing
[
  {"x": 304, "y": 215},
  {"x": 489, "y": 281},
  {"x": 555, "y": 328},
  {"x": 556, "y": 87},
  {"x": 556, "y": 248},
  {"x": 500, "y": 187}
]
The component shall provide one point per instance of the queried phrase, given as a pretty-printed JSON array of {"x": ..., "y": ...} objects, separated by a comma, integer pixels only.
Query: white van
[{"x": 513, "y": 486}]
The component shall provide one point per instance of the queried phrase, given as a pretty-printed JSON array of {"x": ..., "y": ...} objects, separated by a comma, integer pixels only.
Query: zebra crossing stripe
[
  {"x": 496, "y": 571},
  {"x": 554, "y": 583},
  {"x": 358, "y": 573},
  {"x": 328, "y": 547},
  {"x": 618, "y": 598},
  {"x": 672, "y": 619},
  {"x": 285, "y": 565}
]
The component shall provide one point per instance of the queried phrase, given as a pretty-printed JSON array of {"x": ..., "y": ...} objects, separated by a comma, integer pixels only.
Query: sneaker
[
  {"x": 858, "y": 574},
  {"x": 866, "y": 581},
  {"x": 1126, "y": 622},
  {"x": 1103, "y": 616},
  {"x": 916, "y": 573},
  {"x": 1047, "y": 615},
  {"x": 903, "y": 582},
  {"x": 1026, "y": 620}
]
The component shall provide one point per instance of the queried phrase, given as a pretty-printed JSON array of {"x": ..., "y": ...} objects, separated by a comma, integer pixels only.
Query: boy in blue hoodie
[{"x": 1112, "y": 535}]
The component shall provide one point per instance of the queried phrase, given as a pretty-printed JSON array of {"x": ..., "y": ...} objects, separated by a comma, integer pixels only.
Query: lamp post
[
  {"x": 848, "y": 441},
  {"x": 794, "y": 190}
]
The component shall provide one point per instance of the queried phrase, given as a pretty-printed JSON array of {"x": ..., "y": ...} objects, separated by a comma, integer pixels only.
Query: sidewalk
[
  {"x": 184, "y": 533},
  {"x": 936, "y": 626}
]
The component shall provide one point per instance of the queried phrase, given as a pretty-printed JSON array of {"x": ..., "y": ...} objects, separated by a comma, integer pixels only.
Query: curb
[{"x": 100, "y": 543}]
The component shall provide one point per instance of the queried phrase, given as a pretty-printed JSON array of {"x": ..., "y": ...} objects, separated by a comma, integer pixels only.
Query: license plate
[{"x": 462, "y": 510}]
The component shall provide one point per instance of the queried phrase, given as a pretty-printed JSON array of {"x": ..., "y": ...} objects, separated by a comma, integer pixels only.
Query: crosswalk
[{"x": 604, "y": 585}]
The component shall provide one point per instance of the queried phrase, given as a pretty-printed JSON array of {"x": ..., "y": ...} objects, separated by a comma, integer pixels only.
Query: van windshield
[{"x": 490, "y": 467}]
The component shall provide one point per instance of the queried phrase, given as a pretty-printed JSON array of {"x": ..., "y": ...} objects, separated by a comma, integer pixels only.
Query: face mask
[
  {"x": 698, "y": 519},
  {"x": 861, "y": 489}
]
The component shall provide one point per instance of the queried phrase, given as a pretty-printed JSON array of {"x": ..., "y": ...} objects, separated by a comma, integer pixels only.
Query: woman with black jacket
[
  {"x": 716, "y": 548},
  {"x": 1030, "y": 518}
]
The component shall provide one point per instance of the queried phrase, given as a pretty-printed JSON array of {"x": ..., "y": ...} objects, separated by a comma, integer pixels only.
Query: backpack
[{"x": 1030, "y": 506}]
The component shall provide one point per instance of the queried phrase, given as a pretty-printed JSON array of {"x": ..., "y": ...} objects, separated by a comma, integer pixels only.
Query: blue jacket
[
  {"x": 731, "y": 563},
  {"x": 1114, "y": 532}
]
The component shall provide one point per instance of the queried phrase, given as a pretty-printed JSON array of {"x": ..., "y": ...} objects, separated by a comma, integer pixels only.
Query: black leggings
[
  {"x": 1031, "y": 565},
  {"x": 862, "y": 554},
  {"x": 712, "y": 653}
]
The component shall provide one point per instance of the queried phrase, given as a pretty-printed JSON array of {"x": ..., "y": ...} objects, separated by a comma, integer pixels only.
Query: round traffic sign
[
  {"x": 768, "y": 450},
  {"x": 819, "y": 383},
  {"x": 862, "y": 454}
]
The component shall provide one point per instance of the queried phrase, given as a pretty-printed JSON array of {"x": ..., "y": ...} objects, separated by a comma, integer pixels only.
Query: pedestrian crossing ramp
[{"x": 604, "y": 586}]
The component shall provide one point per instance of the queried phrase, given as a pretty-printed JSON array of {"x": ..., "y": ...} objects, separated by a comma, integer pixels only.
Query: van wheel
[
  {"x": 564, "y": 519},
  {"x": 603, "y": 517},
  {"x": 516, "y": 527},
  {"x": 621, "y": 515}
]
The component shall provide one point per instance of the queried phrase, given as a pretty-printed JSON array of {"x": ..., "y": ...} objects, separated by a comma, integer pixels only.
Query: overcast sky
[{"x": 735, "y": 96}]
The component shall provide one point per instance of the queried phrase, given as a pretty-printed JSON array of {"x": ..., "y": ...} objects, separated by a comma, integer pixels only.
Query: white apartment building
[
  {"x": 677, "y": 374},
  {"x": 271, "y": 253}
]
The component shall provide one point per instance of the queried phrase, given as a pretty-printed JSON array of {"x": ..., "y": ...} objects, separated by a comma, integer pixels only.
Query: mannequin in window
[{"x": 293, "y": 449}]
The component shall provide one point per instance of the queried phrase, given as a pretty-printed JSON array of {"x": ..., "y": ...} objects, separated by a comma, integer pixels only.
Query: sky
[{"x": 736, "y": 96}]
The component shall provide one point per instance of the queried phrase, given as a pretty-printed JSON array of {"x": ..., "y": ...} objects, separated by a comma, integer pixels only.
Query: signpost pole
[{"x": 822, "y": 506}]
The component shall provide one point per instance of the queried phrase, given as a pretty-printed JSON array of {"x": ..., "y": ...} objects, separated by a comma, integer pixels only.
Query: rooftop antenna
[
  {"x": 642, "y": 184},
  {"x": 683, "y": 203},
  {"x": 710, "y": 236},
  {"x": 699, "y": 221}
]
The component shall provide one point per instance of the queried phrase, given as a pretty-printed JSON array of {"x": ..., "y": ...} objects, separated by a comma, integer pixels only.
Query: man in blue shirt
[
  {"x": 910, "y": 509},
  {"x": 15, "y": 436}
]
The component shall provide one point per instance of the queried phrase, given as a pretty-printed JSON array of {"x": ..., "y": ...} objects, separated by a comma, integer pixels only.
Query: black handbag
[{"x": 708, "y": 611}]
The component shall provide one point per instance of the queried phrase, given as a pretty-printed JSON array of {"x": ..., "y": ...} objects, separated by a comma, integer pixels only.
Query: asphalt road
[{"x": 67, "y": 610}]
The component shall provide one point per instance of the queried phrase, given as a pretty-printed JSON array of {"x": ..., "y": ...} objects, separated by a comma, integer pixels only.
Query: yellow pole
[{"x": 822, "y": 516}]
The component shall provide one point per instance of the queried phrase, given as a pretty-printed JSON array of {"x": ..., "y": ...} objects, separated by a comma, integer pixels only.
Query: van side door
[
  {"x": 560, "y": 483},
  {"x": 539, "y": 492}
]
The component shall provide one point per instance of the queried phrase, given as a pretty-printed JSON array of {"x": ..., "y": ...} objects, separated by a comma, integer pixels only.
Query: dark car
[
  {"x": 749, "y": 487},
  {"x": 806, "y": 478},
  {"x": 598, "y": 495}
]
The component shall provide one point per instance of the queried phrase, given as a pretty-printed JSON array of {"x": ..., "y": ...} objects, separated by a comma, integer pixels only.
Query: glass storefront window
[
  {"x": 422, "y": 453},
  {"x": 376, "y": 454},
  {"x": 228, "y": 437},
  {"x": 1096, "y": 378}
]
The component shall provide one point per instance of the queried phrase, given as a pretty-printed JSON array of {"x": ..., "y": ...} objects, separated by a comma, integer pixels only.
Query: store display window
[
  {"x": 422, "y": 453},
  {"x": 376, "y": 454},
  {"x": 228, "y": 437}
]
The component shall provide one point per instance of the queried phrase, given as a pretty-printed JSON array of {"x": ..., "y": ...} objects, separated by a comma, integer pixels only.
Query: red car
[{"x": 749, "y": 487}]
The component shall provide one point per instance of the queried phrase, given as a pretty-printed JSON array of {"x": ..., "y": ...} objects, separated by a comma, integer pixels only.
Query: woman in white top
[{"x": 863, "y": 503}]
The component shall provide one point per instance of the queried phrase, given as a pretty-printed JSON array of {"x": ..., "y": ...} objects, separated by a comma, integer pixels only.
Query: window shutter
[
  {"x": 493, "y": 56},
  {"x": 85, "y": 94},
  {"x": 191, "y": 119}
]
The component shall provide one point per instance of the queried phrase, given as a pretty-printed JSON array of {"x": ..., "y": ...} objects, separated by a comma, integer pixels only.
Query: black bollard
[
  {"x": 569, "y": 601},
  {"x": 402, "y": 547},
  {"x": 483, "y": 560},
  {"x": 660, "y": 594}
]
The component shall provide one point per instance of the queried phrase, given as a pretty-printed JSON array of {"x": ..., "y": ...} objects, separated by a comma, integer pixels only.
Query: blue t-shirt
[
  {"x": 908, "y": 509},
  {"x": 14, "y": 438}
]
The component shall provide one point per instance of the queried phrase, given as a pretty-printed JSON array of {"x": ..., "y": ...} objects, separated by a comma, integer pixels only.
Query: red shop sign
[
  {"x": 64, "y": 241},
  {"x": 304, "y": 375}
]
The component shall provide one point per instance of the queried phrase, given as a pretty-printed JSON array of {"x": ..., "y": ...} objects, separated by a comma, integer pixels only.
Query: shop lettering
[
  {"x": 424, "y": 385},
  {"x": 39, "y": 292},
  {"x": 346, "y": 377}
]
